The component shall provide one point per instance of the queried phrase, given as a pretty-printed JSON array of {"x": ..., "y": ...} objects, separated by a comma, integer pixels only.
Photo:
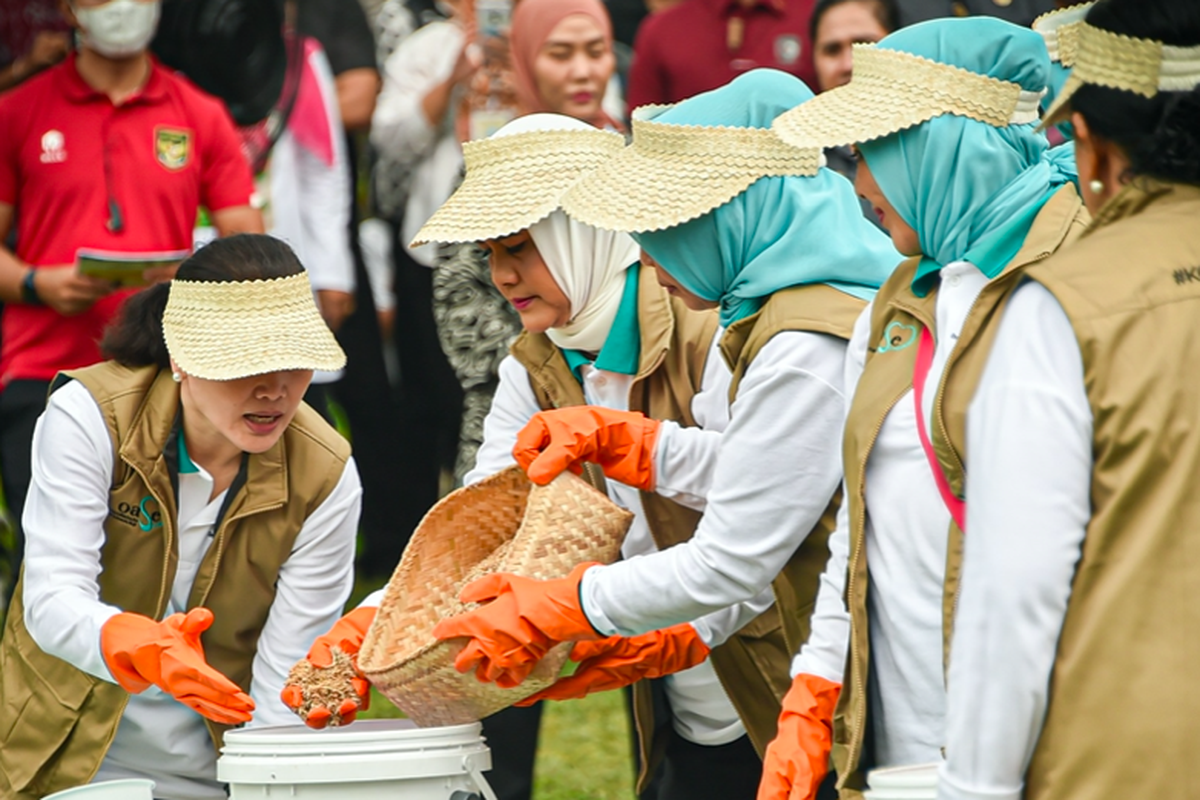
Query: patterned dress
[{"x": 476, "y": 325}]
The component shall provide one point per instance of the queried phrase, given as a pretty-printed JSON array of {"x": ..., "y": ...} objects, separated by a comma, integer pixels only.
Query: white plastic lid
[
  {"x": 370, "y": 750},
  {"x": 130, "y": 789}
]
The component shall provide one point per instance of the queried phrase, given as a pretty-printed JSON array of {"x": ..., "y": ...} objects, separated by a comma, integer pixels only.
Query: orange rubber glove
[
  {"x": 621, "y": 442},
  {"x": 620, "y": 661},
  {"x": 140, "y": 651},
  {"x": 347, "y": 634},
  {"x": 522, "y": 619},
  {"x": 798, "y": 757}
]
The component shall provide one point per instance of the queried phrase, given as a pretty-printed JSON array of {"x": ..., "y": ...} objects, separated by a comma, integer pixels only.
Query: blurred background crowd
[{"x": 339, "y": 129}]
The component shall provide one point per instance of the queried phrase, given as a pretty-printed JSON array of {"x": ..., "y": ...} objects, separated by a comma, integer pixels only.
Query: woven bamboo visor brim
[
  {"x": 891, "y": 91},
  {"x": 1060, "y": 31},
  {"x": 673, "y": 173},
  {"x": 504, "y": 523},
  {"x": 514, "y": 181},
  {"x": 1142, "y": 66},
  {"x": 221, "y": 331}
]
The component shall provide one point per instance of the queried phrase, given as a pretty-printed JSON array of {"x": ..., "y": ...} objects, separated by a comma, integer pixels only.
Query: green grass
[{"x": 583, "y": 751}]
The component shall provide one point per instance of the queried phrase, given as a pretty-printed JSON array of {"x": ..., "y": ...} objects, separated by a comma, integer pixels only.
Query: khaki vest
[
  {"x": 815, "y": 309},
  {"x": 1124, "y": 710},
  {"x": 57, "y": 722},
  {"x": 753, "y": 664},
  {"x": 897, "y": 318}
]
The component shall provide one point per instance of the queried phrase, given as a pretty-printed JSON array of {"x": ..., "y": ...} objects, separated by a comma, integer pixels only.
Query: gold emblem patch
[{"x": 172, "y": 147}]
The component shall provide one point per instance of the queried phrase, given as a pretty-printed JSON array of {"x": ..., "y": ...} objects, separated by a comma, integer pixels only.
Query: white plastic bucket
[
  {"x": 377, "y": 759},
  {"x": 915, "y": 782},
  {"x": 131, "y": 789}
]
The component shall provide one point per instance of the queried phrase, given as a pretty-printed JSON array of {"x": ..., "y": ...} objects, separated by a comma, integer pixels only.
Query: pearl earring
[
  {"x": 1096, "y": 185},
  {"x": 175, "y": 376}
]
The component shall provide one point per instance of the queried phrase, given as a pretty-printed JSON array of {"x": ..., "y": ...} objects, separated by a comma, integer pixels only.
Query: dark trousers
[
  {"x": 728, "y": 771},
  {"x": 430, "y": 396},
  {"x": 21, "y": 403}
]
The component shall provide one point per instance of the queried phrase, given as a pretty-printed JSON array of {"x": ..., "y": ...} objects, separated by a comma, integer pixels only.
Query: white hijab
[{"x": 587, "y": 263}]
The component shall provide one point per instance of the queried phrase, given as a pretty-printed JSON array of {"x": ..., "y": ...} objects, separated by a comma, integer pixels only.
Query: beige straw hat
[
  {"x": 1142, "y": 66},
  {"x": 891, "y": 91},
  {"x": 515, "y": 180},
  {"x": 504, "y": 523},
  {"x": 674, "y": 173},
  {"x": 1060, "y": 30},
  {"x": 223, "y": 330}
]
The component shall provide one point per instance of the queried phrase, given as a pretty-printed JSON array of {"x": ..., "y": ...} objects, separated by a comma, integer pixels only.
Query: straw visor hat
[
  {"x": 516, "y": 179},
  {"x": 1060, "y": 30},
  {"x": 223, "y": 330},
  {"x": 674, "y": 173},
  {"x": 1142, "y": 66},
  {"x": 891, "y": 91}
]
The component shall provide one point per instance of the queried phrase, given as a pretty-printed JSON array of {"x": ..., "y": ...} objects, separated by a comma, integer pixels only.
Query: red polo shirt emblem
[
  {"x": 172, "y": 147},
  {"x": 53, "y": 147}
]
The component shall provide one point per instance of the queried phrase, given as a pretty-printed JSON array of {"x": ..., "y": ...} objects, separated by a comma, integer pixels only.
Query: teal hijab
[
  {"x": 969, "y": 189},
  {"x": 780, "y": 232}
]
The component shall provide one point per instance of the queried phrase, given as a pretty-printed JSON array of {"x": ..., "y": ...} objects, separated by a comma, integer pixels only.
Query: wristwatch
[{"x": 29, "y": 295}]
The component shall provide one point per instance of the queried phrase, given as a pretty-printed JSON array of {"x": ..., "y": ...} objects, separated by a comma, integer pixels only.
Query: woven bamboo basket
[{"x": 504, "y": 523}]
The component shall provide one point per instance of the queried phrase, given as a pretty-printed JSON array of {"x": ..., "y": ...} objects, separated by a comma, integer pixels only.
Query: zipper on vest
[
  {"x": 220, "y": 545},
  {"x": 859, "y": 545}
]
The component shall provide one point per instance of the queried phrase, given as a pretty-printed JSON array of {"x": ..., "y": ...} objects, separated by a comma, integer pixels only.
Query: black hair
[
  {"x": 135, "y": 338},
  {"x": 1160, "y": 134},
  {"x": 885, "y": 12}
]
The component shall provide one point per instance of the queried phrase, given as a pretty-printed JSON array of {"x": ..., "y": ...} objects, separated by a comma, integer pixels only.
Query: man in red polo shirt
[
  {"x": 109, "y": 151},
  {"x": 699, "y": 45}
]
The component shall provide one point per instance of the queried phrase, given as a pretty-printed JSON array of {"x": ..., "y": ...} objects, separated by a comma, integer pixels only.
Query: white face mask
[{"x": 119, "y": 28}]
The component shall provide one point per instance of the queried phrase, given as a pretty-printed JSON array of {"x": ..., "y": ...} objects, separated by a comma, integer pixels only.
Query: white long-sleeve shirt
[
  {"x": 701, "y": 711},
  {"x": 400, "y": 129},
  {"x": 775, "y": 469},
  {"x": 906, "y": 532},
  {"x": 310, "y": 199},
  {"x": 1029, "y": 435},
  {"x": 65, "y": 511}
]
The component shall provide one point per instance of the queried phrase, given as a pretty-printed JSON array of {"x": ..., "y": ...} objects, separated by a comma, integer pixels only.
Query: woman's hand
[
  {"x": 346, "y": 637},
  {"x": 141, "y": 652}
]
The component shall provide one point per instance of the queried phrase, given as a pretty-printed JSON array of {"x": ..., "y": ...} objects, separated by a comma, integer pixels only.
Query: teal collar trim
[
  {"x": 622, "y": 349},
  {"x": 991, "y": 254},
  {"x": 186, "y": 465}
]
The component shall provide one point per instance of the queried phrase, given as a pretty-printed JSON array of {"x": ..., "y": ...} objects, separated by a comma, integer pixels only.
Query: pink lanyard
[{"x": 956, "y": 506}]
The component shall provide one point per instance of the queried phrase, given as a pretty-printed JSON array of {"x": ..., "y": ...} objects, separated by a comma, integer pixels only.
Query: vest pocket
[{"x": 45, "y": 704}]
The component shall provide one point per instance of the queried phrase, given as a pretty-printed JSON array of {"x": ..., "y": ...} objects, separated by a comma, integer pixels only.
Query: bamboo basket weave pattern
[{"x": 504, "y": 523}]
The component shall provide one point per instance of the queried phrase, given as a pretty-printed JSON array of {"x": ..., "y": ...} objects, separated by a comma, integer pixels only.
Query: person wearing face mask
[
  {"x": 191, "y": 530},
  {"x": 108, "y": 151}
]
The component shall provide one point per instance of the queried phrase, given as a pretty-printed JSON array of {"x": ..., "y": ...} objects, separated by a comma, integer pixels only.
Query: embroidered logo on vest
[
  {"x": 145, "y": 515},
  {"x": 897, "y": 336}
]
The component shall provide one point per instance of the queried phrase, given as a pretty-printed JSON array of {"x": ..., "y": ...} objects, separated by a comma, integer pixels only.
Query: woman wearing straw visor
[
  {"x": 599, "y": 330},
  {"x": 961, "y": 181},
  {"x": 1071, "y": 670},
  {"x": 191, "y": 529},
  {"x": 739, "y": 221}
]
